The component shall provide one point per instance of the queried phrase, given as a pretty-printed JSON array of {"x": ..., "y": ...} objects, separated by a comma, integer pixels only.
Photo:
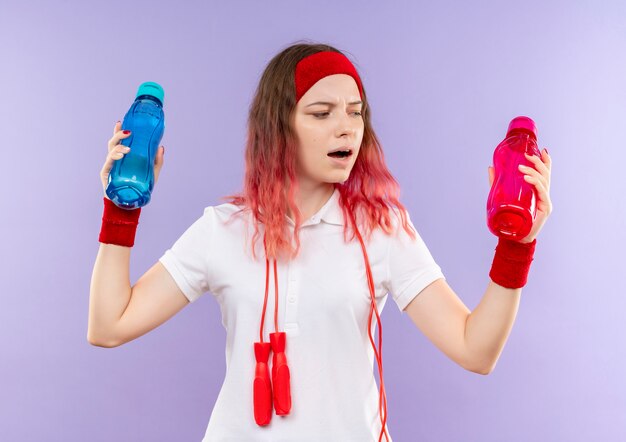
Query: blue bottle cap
[{"x": 151, "y": 88}]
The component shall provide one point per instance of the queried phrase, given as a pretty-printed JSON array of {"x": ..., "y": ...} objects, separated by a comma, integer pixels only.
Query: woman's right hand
[{"x": 117, "y": 151}]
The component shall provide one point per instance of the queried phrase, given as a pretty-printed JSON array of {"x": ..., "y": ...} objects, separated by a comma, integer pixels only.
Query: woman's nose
[{"x": 348, "y": 124}]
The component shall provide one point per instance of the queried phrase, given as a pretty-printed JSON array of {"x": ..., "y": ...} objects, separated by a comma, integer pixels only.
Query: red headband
[{"x": 311, "y": 69}]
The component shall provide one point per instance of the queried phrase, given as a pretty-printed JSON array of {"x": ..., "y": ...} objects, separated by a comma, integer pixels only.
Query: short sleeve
[
  {"x": 187, "y": 259},
  {"x": 410, "y": 265}
]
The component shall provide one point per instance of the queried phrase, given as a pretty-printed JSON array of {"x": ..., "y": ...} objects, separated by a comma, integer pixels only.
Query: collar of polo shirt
[{"x": 329, "y": 213}]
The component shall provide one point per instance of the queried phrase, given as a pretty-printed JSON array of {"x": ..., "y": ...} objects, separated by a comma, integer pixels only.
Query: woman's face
[{"x": 321, "y": 128}]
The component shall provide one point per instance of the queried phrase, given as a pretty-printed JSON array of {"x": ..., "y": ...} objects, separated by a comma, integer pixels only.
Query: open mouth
[{"x": 341, "y": 154}]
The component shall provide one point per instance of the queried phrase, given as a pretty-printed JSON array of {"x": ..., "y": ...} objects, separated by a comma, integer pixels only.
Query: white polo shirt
[{"x": 323, "y": 308}]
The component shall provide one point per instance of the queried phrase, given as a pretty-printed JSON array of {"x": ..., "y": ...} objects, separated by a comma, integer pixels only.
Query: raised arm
[
  {"x": 472, "y": 339},
  {"x": 475, "y": 339},
  {"x": 119, "y": 313},
  {"x": 109, "y": 293}
]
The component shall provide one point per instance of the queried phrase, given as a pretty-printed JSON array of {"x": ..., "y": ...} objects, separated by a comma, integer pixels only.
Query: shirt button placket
[{"x": 292, "y": 304}]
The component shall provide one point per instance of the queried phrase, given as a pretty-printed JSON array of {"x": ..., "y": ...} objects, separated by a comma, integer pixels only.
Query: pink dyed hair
[{"x": 270, "y": 181}]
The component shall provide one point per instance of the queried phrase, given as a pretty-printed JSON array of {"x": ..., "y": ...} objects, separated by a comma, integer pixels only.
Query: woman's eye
[{"x": 320, "y": 114}]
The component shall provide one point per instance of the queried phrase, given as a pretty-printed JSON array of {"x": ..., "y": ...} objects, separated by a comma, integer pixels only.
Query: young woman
[{"x": 331, "y": 240}]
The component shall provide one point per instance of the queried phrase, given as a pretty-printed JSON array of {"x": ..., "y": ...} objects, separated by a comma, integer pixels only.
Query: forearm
[
  {"x": 110, "y": 292},
  {"x": 489, "y": 325}
]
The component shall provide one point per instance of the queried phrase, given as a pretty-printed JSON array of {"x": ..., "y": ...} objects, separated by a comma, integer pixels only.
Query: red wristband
[
  {"x": 118, "y": 225},
  {"x": 511, "y": 263}
]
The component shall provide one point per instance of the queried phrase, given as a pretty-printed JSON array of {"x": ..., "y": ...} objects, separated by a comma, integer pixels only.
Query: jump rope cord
[
  {"x": 275, "y": 294},
  {"x": 275, "y": 298},
  {"x": 382, "y": 402},
  {"x": 267, "y": 276}
]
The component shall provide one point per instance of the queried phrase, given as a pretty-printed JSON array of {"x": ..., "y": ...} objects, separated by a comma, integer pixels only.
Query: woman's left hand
[{"x": 540, "y": 178}]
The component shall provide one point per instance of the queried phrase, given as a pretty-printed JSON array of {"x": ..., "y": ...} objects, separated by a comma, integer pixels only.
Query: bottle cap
[
  {"x": 151, "y": 88},
  {"x": 523, "y": 123}
]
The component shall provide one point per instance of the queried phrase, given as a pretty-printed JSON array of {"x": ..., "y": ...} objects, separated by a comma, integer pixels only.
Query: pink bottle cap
[{"x": 523, "y": 123}]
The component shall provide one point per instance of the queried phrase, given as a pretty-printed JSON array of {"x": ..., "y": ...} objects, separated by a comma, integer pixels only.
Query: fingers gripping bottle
[
  {"x": 131, "y": 179},
  {"x": 512, "y": 202}
]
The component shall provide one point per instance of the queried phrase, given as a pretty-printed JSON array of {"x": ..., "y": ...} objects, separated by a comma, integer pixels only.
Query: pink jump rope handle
[
  {"x": 262, "y": 385},
  {"x": 280, "y": 374}
]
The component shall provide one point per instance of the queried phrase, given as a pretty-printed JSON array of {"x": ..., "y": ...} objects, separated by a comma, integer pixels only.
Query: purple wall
[{"x": 444, "y": 79}]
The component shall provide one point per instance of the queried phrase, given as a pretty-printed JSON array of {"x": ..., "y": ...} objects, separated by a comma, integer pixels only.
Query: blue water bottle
[{"x": 131, "y": 179}]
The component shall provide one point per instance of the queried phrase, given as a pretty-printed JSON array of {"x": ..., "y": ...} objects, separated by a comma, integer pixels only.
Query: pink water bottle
[{"x": 512, "y": 202}]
